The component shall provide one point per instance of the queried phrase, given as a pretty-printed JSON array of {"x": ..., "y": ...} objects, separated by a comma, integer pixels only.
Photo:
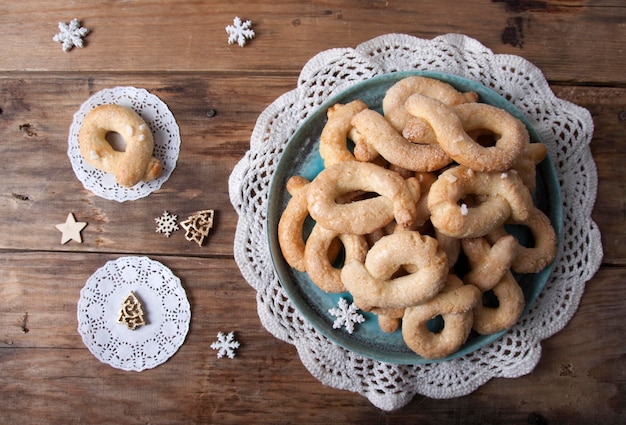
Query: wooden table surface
[{"x": 178, "y": 51}]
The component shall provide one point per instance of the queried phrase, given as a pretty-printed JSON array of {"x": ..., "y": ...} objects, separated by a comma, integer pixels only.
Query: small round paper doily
[
  {"x": 165, "y": 306},
  {"x": 166, "y": 142}
]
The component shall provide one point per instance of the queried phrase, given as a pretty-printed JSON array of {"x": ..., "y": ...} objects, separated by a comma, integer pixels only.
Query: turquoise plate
[{"x": 301, "y": 157}]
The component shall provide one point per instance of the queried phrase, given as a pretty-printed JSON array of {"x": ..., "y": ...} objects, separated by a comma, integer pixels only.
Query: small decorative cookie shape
[
  {"x": 197, "y": 226},
  {"x": 131, "y": 313},
  {"x": 136, "y": 163}
]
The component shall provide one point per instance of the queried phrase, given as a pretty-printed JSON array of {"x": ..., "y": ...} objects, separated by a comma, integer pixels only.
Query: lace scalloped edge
[{"x": 391, "y": 53}]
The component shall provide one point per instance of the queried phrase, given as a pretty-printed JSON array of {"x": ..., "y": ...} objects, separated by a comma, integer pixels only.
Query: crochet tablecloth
[{"x": 566, "y": 129}]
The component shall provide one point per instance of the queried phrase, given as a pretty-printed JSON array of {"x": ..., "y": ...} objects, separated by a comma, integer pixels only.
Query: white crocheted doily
[
  {"x": 164, "y": 130},
  {"x": 565, "y": 128},
  {"x": 164, "y": 303}
]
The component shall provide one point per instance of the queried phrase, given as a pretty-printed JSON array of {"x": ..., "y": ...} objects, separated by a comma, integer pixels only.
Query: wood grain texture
[
  {"x": 178, "y": 51},
  {"x": 266, "y": 383},
  {"x": 568, "y": 40},
  {"x": 39, "y": 178},
  {"x": 41, "y": 187}
]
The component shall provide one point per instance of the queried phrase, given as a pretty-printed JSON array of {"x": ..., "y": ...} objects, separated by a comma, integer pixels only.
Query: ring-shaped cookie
[
  {"x": 395, "y": 97},
  {"x": 511, "y": 136},
  {"x": 488, "y": 263},
  {"x": 397, "y": 198},
  {"x": 506, "y": 196},
  {"x": 455, "y": 304},
  {"x": 318, "y": 256},
  {"x": 136, "y": 162},
  {"x": 532, "y": 259},
  {"x": 510, "y": 304},
  {"x": 378, "y": 137},
  {"x": 451, "y": 125},
  {"x": 372, "y": 284}
]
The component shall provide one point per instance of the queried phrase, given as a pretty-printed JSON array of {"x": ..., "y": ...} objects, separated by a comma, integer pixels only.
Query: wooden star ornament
[{"x": 71, "y": 229}]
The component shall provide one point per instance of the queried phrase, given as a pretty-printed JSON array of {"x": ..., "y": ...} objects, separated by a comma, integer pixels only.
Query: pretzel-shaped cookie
[
  {"x": 451, "y": 125},
  {"x": 488, "y": 263},
  {"x": 333, "y": 139},
  {"x": 490, "y": 272},
  {"x": 396, "y": 96},
  {"x": 535, "y": 258},
  {"x": 422, "y": 217},
  {"x": 510, "y": 305},
  {"x": 506, "y": 197},
  {"x": 455, "y": 304},
  {"x": 133, "y": 165},
  {"x": 398, "y": 198},
  {"x": 318, "y": 256},
  {"x": 372, "y": 284}
]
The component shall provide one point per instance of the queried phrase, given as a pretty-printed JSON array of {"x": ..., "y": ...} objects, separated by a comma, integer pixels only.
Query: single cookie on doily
[
  {"x": 164, "y": 308},
  {"x": 164, "y": 130}
]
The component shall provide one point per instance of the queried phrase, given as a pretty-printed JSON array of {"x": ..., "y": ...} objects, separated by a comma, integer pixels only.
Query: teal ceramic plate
[{"x": 301, "y": 157}]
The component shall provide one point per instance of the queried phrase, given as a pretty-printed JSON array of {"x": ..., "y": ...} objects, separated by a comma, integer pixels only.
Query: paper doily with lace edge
[
  {"x": 165, "y": 306},
  {"x": 166, "y": 142},
  {"x": 565, "y": 128}
]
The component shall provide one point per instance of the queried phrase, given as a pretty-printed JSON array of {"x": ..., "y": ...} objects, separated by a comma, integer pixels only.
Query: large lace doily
[
  {"x": 164, "y": 303},
  {"x": 166, "y": 142},
  {"x": 565, "y": 128}
]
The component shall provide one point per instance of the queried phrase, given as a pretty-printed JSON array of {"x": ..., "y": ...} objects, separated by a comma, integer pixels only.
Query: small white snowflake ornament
[
  {"x": 346, "y": 315},
  {"x": 166, "y": 223},
  {"x": 240, "y": 31},
  {"x": 226, "y": 345},
  {"x": 70, "y": 35}
]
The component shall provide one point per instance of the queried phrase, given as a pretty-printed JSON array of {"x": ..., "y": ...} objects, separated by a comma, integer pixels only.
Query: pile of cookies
[{"x": 415, "y": 200}]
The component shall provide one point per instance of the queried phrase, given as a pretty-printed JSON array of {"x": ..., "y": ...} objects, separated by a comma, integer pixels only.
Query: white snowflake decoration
[
  {"x": 239, "y": 32},
  {"x": 71, "y": 35},
  {"x": 226, "y": 345},
  {"x": 346, "y": 315},
  {"x": 166, "y": 223}
]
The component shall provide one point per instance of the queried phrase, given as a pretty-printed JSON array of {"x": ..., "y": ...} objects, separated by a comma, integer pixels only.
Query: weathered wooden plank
[
  {"x": 178, "y": 51},
  {"x": 39, "y": 187},
  {"x": 48, "y": 375},
  {"x": 41, "y": 291},
  {"x": 571, "y": 41}
]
